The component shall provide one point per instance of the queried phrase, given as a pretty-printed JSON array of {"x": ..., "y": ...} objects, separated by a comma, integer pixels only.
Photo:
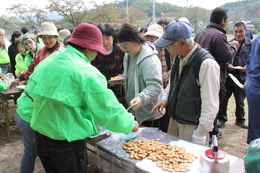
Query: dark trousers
[
  {"x": 222, "y": 92},
  {"x": 153, "y": 123},
  {"x": 164, "y": 122},
  {"x": 61, "y": 156},
  {"x": 239, "y": 96}
]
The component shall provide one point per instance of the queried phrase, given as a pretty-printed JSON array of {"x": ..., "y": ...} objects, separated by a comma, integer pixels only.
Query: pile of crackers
[{"x": 169, "y": 157}]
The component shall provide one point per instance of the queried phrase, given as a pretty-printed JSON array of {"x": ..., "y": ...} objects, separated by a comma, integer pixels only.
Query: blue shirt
[{"x": 253, "y": 62}]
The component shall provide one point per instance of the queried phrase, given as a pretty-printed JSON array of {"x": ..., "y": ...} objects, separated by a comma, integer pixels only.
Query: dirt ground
[{"x": 232, "y": 142}]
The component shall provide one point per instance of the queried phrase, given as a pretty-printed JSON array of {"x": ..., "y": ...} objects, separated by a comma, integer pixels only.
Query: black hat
[{"x": 24, "y": 30}]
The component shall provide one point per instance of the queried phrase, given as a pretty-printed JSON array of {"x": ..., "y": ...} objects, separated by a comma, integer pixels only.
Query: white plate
[
  {"x": 238, "y": 67},
  {"x": 21, "y": 87},
  {"x": 114, "y": 80}
]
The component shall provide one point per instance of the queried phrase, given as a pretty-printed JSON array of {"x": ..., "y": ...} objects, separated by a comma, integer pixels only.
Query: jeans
[
  {"x": 253, "y": 97},
  {"x": 29, "y": 152},
  {"x": 61, "y": 156}
]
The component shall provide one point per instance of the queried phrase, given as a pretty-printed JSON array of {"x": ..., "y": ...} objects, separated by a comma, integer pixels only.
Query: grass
[{"x": 232, "y": 108}]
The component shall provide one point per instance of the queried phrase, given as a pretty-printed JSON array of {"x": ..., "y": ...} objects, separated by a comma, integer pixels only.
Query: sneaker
[
  {"x": 219, "y": 135},
  {"x": 220, "y": 124},
  {"x": 242, "y": 125}
]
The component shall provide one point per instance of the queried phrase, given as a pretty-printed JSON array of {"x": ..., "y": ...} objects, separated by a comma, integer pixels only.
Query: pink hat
[{"x": 88, "y": 36}]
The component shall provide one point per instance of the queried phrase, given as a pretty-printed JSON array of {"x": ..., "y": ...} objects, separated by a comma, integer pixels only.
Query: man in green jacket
[{"x": 69, "y": 96}]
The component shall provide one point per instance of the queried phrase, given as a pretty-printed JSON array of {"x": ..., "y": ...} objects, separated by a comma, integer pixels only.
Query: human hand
[
  {"x": 231, "y": 67},
  {"x": 2, "y": 75},
  {"x": 136, "y": 127},
  {"x": 135, "y": 103},
  {"x": 23, "y": 82},
  {"x": 14, "y": 83},
  {"x": 243, "y": 87},
  {"x": 159, "y": 107},
  {"x": 236, "y": 43},
  {"x": 244, "y": 69},
  {"x": 198, "y": 139}
]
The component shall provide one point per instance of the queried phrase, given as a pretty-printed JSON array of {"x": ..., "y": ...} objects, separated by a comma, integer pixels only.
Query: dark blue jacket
[{"x": 241, "y": 57}]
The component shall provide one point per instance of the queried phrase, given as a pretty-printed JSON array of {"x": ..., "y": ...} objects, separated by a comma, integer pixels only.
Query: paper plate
[
  {"x": 20, "y": 87},
  {"x": 114, "y": 80},
  {"x": 238, "y": 67}
]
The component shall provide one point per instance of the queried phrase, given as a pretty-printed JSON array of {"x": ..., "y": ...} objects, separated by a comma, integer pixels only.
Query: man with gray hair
[
  {"x": 4, "y": 57},
  {"x": 191, "y": 97}
]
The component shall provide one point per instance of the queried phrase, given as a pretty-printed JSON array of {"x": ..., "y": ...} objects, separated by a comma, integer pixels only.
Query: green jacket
[
  {"x": 25, "y": 107},
  {"x": 4, "y": 57},
  {"x": 70, "y": 95},
  {"x": 23, "y": 62},
  {"x": 3, "y": 86},
  {"x": 20, "y": 65}
]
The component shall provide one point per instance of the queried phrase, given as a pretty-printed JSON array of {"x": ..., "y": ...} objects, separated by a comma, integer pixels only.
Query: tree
[
  {"x": 31, "y": 16},
  {"x": 196, "y": 16},
  {"x": 135, "y": 16},
  {"x": 103, "y": 13},
  {"x": 73, "y": 11},
  {"x": 9, "y": 24}
]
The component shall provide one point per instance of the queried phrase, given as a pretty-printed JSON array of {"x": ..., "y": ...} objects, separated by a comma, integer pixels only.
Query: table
[
  {"x": 4, "y": 95},
  {"x": 112, "y": 158}
]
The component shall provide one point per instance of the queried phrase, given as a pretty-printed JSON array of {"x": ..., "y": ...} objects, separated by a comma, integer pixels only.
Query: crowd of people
[{"x": 166, "y": 79}]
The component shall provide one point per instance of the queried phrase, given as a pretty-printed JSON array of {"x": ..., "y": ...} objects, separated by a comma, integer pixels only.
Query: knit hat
[
  {"x": 63, "y": 33},
  {"x": 88, "y": 36},
  {"x": 27, "y": 36},
  {"x": 155, "y": 30},
  {"x": 48, "y": 28},
  {"x": 173, "y": 32}
]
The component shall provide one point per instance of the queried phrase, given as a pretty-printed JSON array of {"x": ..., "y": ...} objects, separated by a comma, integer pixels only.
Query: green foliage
[
  {"x": 140, "y": 13},
  {"x": 254, "y": 31},
  {"x": 147, "y": 7}
]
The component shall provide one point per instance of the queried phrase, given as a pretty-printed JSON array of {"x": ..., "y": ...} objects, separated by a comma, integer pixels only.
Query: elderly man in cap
[
  {"x": 191, "y": 97},
  {"x": 69, "y": 96}
]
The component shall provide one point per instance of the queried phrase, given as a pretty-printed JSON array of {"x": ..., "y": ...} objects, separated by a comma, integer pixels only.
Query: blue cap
[{"x": 173, "y": 32}]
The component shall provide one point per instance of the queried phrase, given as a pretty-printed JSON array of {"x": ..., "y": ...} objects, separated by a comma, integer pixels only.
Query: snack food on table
[{"x": 169, "y": 157}]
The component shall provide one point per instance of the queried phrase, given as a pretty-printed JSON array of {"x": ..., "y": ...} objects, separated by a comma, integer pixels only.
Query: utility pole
[
  {"x": 154, "y": 11},
  {"x": 127, "y": 11},
  {"x": 187, "y": 4}
]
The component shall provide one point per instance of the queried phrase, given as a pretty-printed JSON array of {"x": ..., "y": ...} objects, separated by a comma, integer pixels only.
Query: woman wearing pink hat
[{"x": 70, "y": 95}]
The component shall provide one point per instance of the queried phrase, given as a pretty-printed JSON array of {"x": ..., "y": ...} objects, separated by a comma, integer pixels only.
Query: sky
[{"x": 208, "y": 4}]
